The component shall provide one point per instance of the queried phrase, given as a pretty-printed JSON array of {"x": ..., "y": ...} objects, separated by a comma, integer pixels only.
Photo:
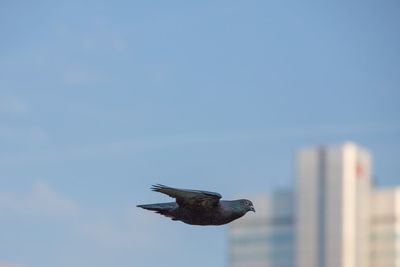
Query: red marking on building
[{"x": 360, "y": 170}]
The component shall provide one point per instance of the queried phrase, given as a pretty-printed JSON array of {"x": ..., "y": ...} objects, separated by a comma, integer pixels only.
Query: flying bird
[{"x": 198, "y": 207}]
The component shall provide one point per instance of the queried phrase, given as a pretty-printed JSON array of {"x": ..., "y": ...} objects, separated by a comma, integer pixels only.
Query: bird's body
[{"x": 199, "y": 207}]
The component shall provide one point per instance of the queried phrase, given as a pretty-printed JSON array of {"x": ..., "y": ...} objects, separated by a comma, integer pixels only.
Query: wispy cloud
[
  {"x": 204, "y": 138},
  {"x": 23, "y": 134},
  {"x": 118, "y": 44},
  {"x": 38, "y": 135},
  {"x": 100, "y": 36},
  {"x": 13, "y": 105},
  {"x": 42, "y": 200},
  {"x": 81, "y": 77},
  {"x": 10, "y": 264},
  {"x": 127, "y": 229}
]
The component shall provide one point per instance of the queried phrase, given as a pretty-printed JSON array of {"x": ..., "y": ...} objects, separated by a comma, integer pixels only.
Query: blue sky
[{"x": 101, "y": 99}]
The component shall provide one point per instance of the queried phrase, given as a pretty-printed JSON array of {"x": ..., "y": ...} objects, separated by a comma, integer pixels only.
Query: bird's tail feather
[
  {"x": 165, "y": 209},
  {"x": 154, "y": 207}
]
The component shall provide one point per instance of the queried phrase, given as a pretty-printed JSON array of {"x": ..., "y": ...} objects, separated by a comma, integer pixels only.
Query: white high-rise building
[
  {"x": 264, "y": 239},
  {"x": 332, "y": 206}
]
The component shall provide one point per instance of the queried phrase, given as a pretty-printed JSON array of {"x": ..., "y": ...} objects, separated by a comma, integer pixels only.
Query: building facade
[
  {"x": 385, "y": 228},
  {"x": 266, "y": 238}
]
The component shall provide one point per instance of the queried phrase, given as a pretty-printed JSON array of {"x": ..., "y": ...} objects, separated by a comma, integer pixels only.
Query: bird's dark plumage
[{"x": 199, "y": 207}]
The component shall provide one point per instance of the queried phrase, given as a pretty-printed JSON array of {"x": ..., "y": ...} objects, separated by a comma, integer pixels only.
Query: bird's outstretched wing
[{"x": 188, "y": 197}]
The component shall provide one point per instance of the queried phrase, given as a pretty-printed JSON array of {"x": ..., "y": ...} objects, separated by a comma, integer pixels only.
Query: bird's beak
[{"x": 252, "y": 209}]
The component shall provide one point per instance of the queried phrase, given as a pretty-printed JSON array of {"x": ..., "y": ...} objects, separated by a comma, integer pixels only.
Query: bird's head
[{"x": 248, "y": 205}]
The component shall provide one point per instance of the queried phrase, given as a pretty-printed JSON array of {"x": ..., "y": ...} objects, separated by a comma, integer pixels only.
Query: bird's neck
[{"x": 235, "y": 209}]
